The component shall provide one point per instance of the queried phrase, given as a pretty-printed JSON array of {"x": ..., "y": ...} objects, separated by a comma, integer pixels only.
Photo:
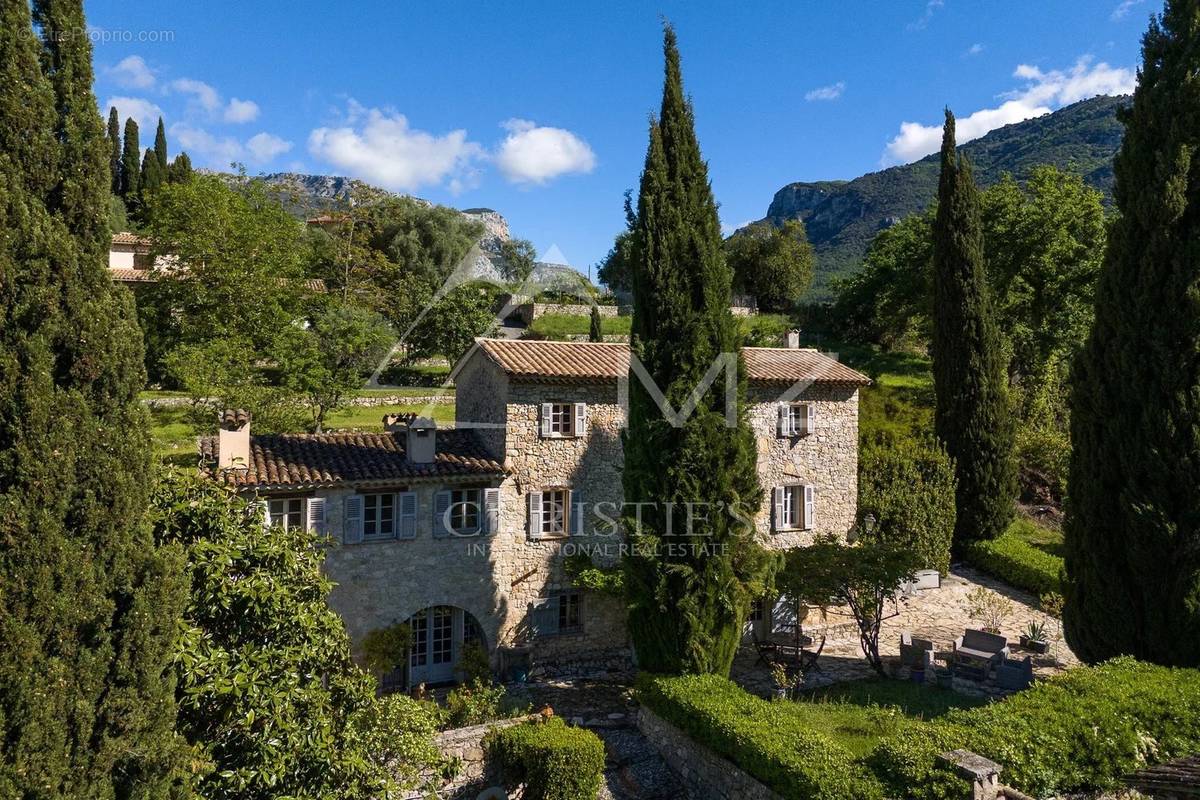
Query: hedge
[
  {"x": 552, "y": 759},
  {"x": 761, "y": 737},
  {"x": 1079, "y": 731},
  {"x": 1017, "y": 563}
]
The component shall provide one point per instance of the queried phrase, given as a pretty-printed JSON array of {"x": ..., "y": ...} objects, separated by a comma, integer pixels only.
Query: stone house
[{"x": 463, "y": 533}]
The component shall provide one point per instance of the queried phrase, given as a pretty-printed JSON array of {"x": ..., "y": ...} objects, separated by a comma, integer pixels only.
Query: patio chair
[
  {"x": 1015, "y": 674},
  {"x": 767, "y": 650},
  {"x": 976, "y": 652},
  {"x": 808, "y": 657},
  {"x": 915, "y": 653}
]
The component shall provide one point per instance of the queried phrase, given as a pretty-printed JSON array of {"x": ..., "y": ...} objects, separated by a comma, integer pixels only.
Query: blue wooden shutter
[
  {"x": 543, "y": 616},
  {"x": 406, "y": 515},
  {"x": 491, "y": 510},
  {"x": 352, "y": 530},
  {"x": 575, "y": 515},
  {"x": 316, "y": 515},
  {"x": 441, "y": 504}
]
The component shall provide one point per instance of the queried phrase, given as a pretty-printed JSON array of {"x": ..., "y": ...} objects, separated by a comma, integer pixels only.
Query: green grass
[
  {"x": 1048, "y": 540},
  {"x": 916, "y": 700},
  {"x": 564, "y": 326},
  {"x": 172, "y": 432},
  {"x": 404, "y": 391}
]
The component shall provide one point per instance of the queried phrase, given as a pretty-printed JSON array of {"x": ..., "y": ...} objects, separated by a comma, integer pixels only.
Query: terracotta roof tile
[
  {"x": 306, "y": 461},
  {"x": 125, "y": 237},
  {"x": 127, "y": 275},
  {"x": 595, "y": 361}
]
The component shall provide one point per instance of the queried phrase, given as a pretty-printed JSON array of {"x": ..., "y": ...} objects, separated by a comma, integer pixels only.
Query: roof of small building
[
  {"x": 125, "y": 237},
  {"x": 129, "y": 275},
  {"x": 602, "y": 361},
  {"x": 327, "y": 460}
]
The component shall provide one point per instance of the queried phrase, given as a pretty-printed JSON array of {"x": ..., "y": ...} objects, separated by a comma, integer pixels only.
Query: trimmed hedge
[
  {"x": 552, "y": 759},
  {"x": 1017, "y": 563},
  {"x": 763, "y": 738},
  {"x": 1082, "y": 730}
]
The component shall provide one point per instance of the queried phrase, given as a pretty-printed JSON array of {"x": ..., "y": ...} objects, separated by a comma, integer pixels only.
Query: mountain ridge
[{"x": 842, "y": 216}]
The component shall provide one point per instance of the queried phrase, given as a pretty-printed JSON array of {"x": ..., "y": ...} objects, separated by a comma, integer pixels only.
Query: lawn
[{"x": 565, "y": 326}]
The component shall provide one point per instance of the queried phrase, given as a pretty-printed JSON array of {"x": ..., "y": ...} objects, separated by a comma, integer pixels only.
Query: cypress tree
[
  {"x": 114, "y": 145},
  {"x": 971, "y": 416},
  {"x": 90, "y": 609},
  {"x": 152, "y": 176},
  {"x": 686, "y": 605},
  {"x": 1132, "y": 530},
  {"x": 180, "y": 170},
  {"x": 131, "y": 173},
  {"x": 160, "y": 147},
  {"x": 594, "y": 331}
]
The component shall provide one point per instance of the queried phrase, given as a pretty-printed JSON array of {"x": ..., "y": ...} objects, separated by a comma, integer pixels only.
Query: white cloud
[
  {"x": 535, "y": 154},
  {"x": 265, "y": 146},
  {"x": 379, "y": 146},
  {"x": 975, "y": 49},
  {"x": 831, "y": 92},
  {"x": 729, "y": 229},
  {"x": 1042, "y": 93},
  {"x": 205, "y": 95},
  {"x": 930, "y": 9},
  {"x": 142, "y": 110},
  {"x": 210, "y": 150},
  {"x": 241, "y": 110},
  {"x": 131, "y": 72},
  {"x": 1122, "y": 10}
]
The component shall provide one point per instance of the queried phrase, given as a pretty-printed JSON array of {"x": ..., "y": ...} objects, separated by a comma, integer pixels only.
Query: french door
[{"x": 438, "y": 634}]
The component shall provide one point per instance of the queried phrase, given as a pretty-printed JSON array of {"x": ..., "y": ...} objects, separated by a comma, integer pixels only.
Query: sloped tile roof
[
  {"x": 127, "y": 275},
  {"x": 318, "y": 460},
  {"x": 595, "y": 361},
  {"x": 125, "y": 237}
]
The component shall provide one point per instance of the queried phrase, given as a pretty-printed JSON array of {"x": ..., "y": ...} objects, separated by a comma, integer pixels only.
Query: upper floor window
[
  {"x": 794, "y": 506},
  {"x": 286, "y": 512},
  {"x": 464, "y": 510},
  {"x": 797, "y": 419},
  {"x": 563, "y": 420},
  {"x": 379, "y": 516}
]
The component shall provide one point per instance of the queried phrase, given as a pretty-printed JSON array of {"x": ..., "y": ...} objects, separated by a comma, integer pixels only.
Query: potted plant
[
  {"x": 783, "y": 683},
  {"x": 1034, "y": 638}
]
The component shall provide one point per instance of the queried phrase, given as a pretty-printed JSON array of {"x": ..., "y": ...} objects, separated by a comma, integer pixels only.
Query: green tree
[
  {"x": 331, "y": 358},
  {"x": 615, "y": 271},
  {"x": 131, "y": 171},
  {"x": 241, "y": 261},
  {"x": 686, "y": 604},
  {"x": 908, "y": 486},
  {"x": 180, "y": 170},
  {"x": 267, "y": 687},
  {"x": 1132, "y": 540},
  {"x": 451, "y": 325},
  {"x": 152, "y": 175},
  {"x": 89, "y": 611},
  {"x": 518, "y": 258},
  {"x": 114, "y": 145},
  {"x": 595, "y": 332},
  {"x": 775, "y": 264},
  {"x": 160, "y": 147},
  {"x": 972, "y": 416}
]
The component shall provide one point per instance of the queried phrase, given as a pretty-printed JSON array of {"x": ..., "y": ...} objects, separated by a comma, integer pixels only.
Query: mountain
[{"x": 843, "y": 216}]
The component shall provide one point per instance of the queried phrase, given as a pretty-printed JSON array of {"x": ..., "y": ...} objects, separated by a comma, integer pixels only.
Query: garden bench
[
  {"x": 915, "y": 653},
  {"x": 977, "y": 651},
  {"x": 1015, "y": 674}
]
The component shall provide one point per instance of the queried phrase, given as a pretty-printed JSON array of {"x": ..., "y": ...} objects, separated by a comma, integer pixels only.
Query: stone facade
[{"x": 706, "y": 775}]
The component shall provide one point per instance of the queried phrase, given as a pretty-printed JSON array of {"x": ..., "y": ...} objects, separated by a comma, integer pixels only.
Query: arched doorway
[{"x": 439, "y": 634}]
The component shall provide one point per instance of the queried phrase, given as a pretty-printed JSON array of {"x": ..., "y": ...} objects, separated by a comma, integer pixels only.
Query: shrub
[
  {"x": 397, "y": 731},
  {"x": 1082, "y": 730},
  {"x": 770, "y": 741},
  {"x": 908, "y": 485},
  {"x": 553, "y": 760},
  {"x": 1017, "y": 563},
  {"x": 473, "y": 704},
  {"x": 384, "y": 648}
]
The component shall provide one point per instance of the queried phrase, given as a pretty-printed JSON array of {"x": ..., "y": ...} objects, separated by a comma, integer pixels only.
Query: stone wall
[
  {"x": 466, "y": 745},
  {"x": 706, "y": 775},
  {"x": 826, "y": 459}
]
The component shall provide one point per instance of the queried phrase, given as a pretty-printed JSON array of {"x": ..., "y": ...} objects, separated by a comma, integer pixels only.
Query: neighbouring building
[{"x": 463, "y": 533}]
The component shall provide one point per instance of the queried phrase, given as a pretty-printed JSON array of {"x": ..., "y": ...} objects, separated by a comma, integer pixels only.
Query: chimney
[
  {"x": 792, "y": 339},
  {"x": 233, "y": 439},
  {"x": 422, "y": 437}
]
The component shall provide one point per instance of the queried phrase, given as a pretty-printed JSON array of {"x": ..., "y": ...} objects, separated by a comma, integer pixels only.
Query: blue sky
[{"x": 539, "y": 110}]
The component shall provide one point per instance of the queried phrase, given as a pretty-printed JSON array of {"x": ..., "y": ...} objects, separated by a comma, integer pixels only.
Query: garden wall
[
  {"x": 466, "y": 744},
  {"x": 706, "y": 775}
]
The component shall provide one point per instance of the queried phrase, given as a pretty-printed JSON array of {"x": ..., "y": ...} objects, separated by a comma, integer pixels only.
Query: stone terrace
[{"x": 936, "y": 614}]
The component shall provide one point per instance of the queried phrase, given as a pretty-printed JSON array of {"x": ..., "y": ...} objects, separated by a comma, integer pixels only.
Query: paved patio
[{"x": 940, "y": 615}]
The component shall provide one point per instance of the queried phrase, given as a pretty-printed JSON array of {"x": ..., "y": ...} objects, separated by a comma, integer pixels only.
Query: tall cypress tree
[
  {"x": 89, "y": 610},
  {"x": 131, "y": 171},
  {"x": 160, "y": 147},
  {"x": 152, "y": 176},
  {"x": 1133, "y": 516},
  {"x": 686, "y": 605},
  {"x": 972, "y": 415},
  {"x": 114, "y": 149},
  {"x": 180, "y": 170},
  {"x": 595, "y": 332}
]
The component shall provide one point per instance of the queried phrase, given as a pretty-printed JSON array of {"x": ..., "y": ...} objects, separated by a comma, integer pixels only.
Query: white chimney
[
  {"x": 793, "y": 339},
  {"x": 233, "y": 439},
  {"x": 422, "y": 441}
]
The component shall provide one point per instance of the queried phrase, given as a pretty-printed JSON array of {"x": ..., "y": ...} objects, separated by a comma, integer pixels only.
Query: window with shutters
[
  {"x": 286, "y": 512},
  {"x": 379, "y": 516},
  {"x": 465, "y": 508},
  {"x": 555, "y": 503},
  {"x": 800, "y": 419},
  {"x": 558, "y": 614},
  {"x": 794, "y": 507},
  {"x": 562, "y": 419}
]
